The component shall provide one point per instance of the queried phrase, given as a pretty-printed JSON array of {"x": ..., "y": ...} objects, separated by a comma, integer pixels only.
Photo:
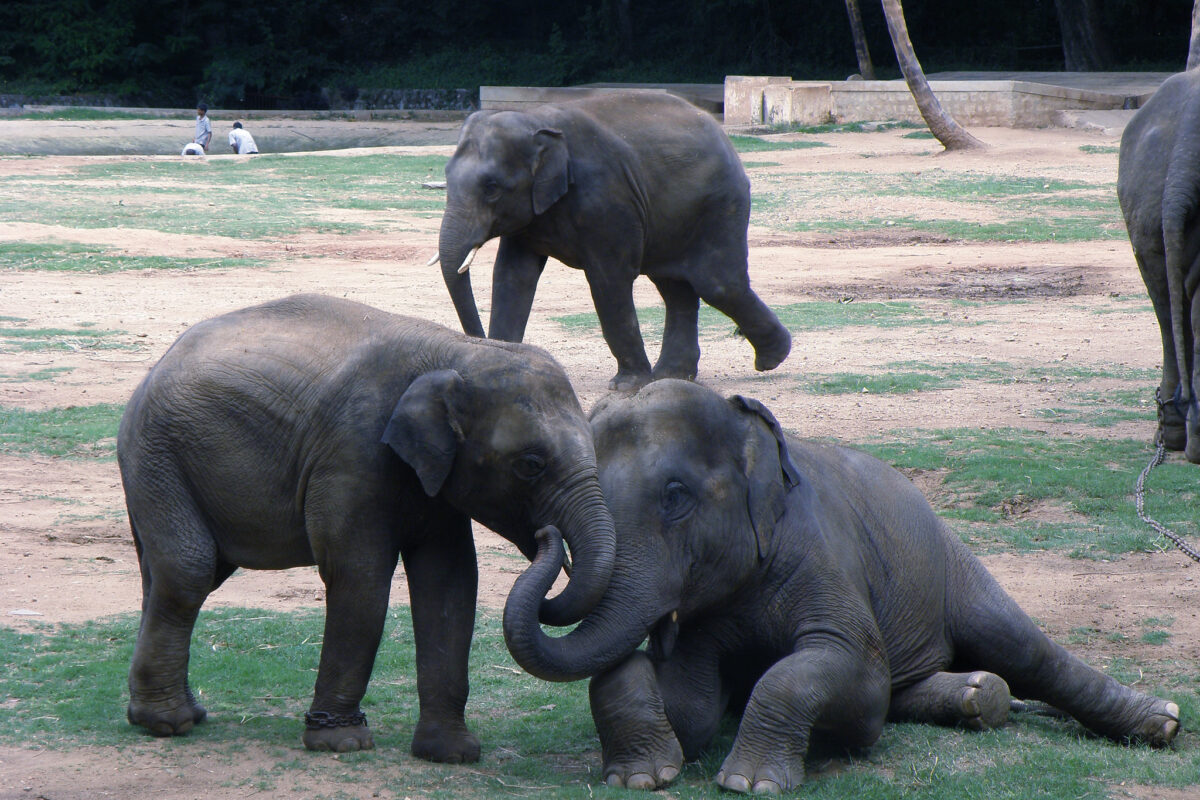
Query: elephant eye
[
  {"x": 528, "y": 466},
  {"x": 677, "y": 500},
  {"x": 491, "y": 189}
]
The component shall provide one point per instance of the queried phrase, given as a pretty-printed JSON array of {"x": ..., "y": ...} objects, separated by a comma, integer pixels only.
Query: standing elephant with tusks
[
  {"x": 619, "y": 184},
  {"x": 1158, "y": 185},
  {"x": 313, "y": 430},
  {"x": 809, "y": 588}
]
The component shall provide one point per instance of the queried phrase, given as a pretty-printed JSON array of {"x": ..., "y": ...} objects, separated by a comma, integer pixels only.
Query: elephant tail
[{"x": 1180, "y": 204}]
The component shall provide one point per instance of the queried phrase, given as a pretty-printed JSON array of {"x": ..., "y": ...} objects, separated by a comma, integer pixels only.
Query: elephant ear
[
  {"x": 770, "y": 472},
  {"x": 551, "y": 171},
  {"x": 424, "y": 429}
]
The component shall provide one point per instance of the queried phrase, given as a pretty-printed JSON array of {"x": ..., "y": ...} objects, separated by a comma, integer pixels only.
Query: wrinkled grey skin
[
  {"x": 617, "y": 185},
  {"x": 313, "y": 430},
  {"x": 1158, "y": 185},
  {"x": 809, "y": 587}
]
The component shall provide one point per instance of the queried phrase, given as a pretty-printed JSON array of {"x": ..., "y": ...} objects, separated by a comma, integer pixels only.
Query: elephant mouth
[{"x": 663, "y": 635}]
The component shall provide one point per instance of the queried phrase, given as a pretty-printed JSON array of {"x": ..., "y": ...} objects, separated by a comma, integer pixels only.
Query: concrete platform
[{"x": 1004, "y": 99}]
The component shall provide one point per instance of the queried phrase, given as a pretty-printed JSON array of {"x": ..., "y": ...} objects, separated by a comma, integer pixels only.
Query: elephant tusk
[
  {"x": 674, "y": 616},
  {"x": 433, "y": 260},
  {"x": 566, "y": 566},
  {"x": 466, "y": 265}
]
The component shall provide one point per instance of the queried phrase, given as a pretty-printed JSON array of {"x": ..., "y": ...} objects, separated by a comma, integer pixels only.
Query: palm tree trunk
[
  {"x": 952, "y": 135},
  {"x": 1193, "y": 60},
  {"x": 865, "y": 68}
]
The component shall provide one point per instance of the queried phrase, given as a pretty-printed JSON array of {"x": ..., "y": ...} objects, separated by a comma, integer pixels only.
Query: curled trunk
[
  {"x": 592, "y": 538},
  {"x": 606, "y": 636}
]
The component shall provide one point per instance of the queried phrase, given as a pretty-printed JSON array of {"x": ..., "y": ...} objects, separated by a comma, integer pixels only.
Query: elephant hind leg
[
  {"x": 176, "y": 579},
  {"x": 977, "y": 700},
  {"x": 732, "y": 296},
  {"x": 990, "y": 632}
]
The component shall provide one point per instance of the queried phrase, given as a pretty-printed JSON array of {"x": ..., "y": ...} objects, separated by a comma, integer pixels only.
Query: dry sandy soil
[{"x": 66, "y": 553}]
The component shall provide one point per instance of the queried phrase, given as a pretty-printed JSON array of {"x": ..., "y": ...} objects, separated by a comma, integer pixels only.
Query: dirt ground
[{"x": 65, "y": 550}]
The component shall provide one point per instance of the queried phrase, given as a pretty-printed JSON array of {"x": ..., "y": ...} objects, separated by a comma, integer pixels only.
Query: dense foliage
[{"x": 272, "y": 53}]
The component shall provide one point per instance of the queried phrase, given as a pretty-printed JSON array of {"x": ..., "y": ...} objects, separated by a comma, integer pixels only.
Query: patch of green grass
[
  {"x": 46, "y": 374},
  {"x": 885, "y": 383},
  {"x": 1101, "y": 409},
  {"x": 995, "y": 483},
  {"x": 75, "y": 431},
  {"x": 918, "y": 135},
  {"x": 852, "y": 127},
  {"x": 1099, "y": 149},
  {"x": 48, "y": 339},
  {"x": 69, "y": 257},
  {"x": 268, "y": 196},
  {"x": 815, "y": 315},
  {"x": 758, "y": 164},
  {"x": 65, "y": 687},
  {"x": 757, "y": 144}
]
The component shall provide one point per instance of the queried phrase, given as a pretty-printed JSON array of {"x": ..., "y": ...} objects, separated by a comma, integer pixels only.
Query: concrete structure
[{"x": 1017, "y": 100}]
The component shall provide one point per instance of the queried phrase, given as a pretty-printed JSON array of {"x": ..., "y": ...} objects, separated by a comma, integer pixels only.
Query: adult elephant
[
  {"x": 618, "y": 184},
  {"x": 810, "y": 582},
  {"x": 1158, "y": 185},
  {"x": 313, "y": 430}
]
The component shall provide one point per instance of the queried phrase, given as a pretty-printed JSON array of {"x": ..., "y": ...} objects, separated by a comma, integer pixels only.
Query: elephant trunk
[
  {"x": 589, "y": 531},
  {"x": 456, "y": 243},
  {"x": 605, "y": 637}
]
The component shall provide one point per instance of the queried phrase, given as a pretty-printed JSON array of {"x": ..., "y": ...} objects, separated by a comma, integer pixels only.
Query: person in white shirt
[{"x": 241, "y": 141}]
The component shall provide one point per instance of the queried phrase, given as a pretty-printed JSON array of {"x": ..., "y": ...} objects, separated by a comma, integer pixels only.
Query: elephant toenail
[
  {"x": 767, "y": 787},
  {"x": 667, "y": 774},
  {"x": 640, "y": 780},
  {"x": 735, "y": 783}
]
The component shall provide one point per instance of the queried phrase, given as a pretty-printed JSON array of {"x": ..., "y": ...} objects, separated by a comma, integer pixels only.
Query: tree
[
  {"x": 865, "y": 68},
  {"x": 1084, "y": 47},
  {"x": 952, "y": 135}
]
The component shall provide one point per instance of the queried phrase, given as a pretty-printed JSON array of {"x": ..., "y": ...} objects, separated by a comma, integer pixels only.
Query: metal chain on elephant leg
[
  {"x": 1139, "y": 495},
  {"x": 316, "y": 720}
]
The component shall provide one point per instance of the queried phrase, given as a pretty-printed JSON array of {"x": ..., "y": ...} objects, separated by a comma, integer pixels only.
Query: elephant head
[
  {"x": 505, "y": 441},
  {"x": 508, "y": 169},
  {"x": 696, "y": 485}
]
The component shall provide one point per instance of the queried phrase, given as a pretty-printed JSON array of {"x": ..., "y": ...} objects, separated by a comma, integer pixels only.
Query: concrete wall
[{"x": 752, "y": 100}]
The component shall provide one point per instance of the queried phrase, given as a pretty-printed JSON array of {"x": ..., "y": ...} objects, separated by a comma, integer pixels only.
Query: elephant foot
[
  {"x": 177, "y": 720},
  {"x": 1152, "y": 721},
  {"x": 651, "y": 768},
  {"x": 985, "y": 701},
  {"x": 445, "y": 744},
  {"x": 746, "y": 777},
  {"x": 1172, "y": 428},
  {"x": 771, "y": 349},
  {"x": 339, "y": 733},
  {"x": 629, "y": 381},
  {"x": 977, "y": 700},
  {"x": 682, "y": 373}
]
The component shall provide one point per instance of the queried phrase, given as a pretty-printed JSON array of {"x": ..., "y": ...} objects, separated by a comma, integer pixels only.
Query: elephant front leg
[
  {"x": 612, "y": 293},
  {"x": 514, "y": 283},
  {"x": 442, "y": 581},
  {"x": 639, "y": 747},
  {"x": 837, "y": 691},
  {"x": 355, "y": 611},
  {"x": 680, "y": 355}
]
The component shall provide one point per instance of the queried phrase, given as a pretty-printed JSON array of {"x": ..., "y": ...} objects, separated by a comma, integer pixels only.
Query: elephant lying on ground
[
  {"x": 811, "y": 583},
  {"x": 313, "y": 430},
  {"x": 617, "y": 185},
  {"x": 1158, "y": 185}
]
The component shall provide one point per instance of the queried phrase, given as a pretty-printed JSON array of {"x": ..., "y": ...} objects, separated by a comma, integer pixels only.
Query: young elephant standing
[
  {"x": 619, "y": 184},
  {"x": 810, "y": 582},
  {"x": 1158, "y": 185},
  {"x": 313, "y": 430}
]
